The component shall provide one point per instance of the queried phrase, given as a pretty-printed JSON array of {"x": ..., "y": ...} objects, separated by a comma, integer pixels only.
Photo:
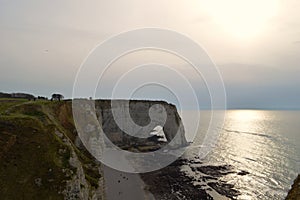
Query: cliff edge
[{"x": 42, "y": 156}]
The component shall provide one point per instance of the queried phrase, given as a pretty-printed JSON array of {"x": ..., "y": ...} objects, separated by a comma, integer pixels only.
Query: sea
[{"x": 263, "y": 143}]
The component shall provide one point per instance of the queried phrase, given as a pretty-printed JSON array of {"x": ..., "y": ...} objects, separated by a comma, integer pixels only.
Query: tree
[
  {"x": 42, "y": 98},
  {"x": 57, "y": 97}
]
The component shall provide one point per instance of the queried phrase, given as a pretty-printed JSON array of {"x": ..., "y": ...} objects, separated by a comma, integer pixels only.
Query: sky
[{"x": 254, "y": 43}]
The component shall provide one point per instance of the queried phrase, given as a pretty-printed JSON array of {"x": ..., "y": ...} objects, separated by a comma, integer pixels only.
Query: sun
[{"x": 243, "y": 18}]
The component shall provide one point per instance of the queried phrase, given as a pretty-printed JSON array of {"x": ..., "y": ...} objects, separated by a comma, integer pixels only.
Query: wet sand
[
  {"x": 171, "y": 183},
  {"x": 125, "y": 186}
]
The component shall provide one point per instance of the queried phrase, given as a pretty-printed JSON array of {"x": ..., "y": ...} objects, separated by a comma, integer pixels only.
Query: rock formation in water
[{"x": 141, "y": 112}]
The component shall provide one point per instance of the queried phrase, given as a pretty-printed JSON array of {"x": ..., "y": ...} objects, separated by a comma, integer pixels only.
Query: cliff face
[
  {"x": 42, "y": 156},
  {"x": 146, "y": 114}
]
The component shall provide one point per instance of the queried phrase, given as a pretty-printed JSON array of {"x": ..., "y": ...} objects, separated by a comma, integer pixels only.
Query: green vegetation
[{"x": 34, "y": 158}]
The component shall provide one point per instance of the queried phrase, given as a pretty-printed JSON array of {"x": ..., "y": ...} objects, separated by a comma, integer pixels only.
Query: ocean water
[{"x": 265, "y": 143}]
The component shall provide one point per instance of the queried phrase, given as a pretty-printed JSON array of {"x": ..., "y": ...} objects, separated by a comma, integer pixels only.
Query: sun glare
[
  {"x": 243, "y": 18},
  {"x": 247, "y": 115}
]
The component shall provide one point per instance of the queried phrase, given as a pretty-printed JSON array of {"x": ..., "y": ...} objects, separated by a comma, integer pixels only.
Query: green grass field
[{"x": 34, "y": 160}]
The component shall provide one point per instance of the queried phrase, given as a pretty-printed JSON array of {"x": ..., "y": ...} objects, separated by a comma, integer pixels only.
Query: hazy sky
[{"x": 255, "y": 44}]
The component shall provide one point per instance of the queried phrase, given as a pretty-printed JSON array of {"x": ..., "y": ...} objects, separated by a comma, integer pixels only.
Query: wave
[
  {"x": 249, "y": 133},
  {"x": 250, "y": 159}
]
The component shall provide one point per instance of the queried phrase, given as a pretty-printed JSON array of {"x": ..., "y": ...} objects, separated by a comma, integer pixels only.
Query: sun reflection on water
[
  {"x": 262, "y": 142},
  {"x": 246, "y": 120},
  {"x": 250, "y": 141}
]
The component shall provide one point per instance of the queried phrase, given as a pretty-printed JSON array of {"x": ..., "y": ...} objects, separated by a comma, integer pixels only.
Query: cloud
[{"x": 70, "y": 29}]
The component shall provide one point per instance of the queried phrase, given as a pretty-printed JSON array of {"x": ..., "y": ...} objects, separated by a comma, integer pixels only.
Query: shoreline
[{"x": 174, "y": 182}]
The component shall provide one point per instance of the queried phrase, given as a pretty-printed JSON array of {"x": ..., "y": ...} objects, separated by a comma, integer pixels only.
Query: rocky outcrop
[
  {"x": 294, "y": 193},
  {"x": 138, "y": 118},
  {"x": 78, "y": 187}
]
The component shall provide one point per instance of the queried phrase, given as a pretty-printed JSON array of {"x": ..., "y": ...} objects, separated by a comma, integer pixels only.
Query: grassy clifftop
[{"x": 40, "y": 156}]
